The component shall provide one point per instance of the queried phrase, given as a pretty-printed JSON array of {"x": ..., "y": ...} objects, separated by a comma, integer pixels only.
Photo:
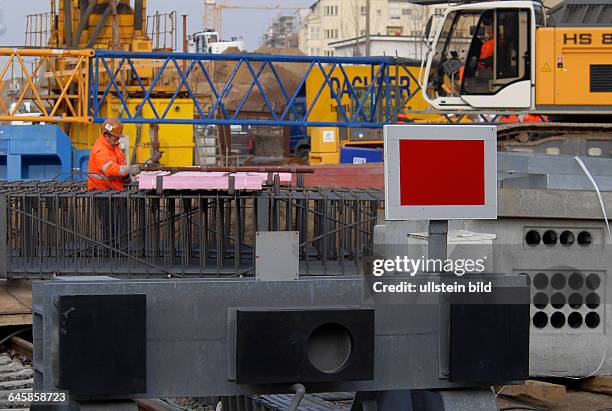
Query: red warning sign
[{"x": 442, "y": 172}]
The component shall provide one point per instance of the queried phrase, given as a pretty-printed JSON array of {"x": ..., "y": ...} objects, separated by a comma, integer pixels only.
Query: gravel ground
[
  {"x": 16, "y": 376},
  {"x": 573, "y": 401}
]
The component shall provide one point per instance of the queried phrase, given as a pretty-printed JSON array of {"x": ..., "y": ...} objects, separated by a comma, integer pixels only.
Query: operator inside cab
[
  {"x": 485, "y": 41},
  {"x": 108, "y": 169}
]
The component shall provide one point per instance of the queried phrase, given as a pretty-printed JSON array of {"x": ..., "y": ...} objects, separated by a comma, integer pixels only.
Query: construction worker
[
  {"x": 108, "y": 169},
  {"x": 510, "y": 118},
  {"x": 535, "y": 118},
  {"x": 487, "y": 48}
]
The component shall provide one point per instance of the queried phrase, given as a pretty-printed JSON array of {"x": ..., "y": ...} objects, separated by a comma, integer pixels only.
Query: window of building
[
  {"x": 331, "y": 34},
  {"x": 395, "y": 30},
  {"x": 331, "y": 10},
  {"x": 363, "y": 10},
  {"x": 439, "y": 11},
  {"x": 329, "y": 52},
  {"x": 362, "y": 32},
  {"x": 379, "y": 12},
  {"x": 395, "y": 12},
  {"x": 406, "y": 12},
  {"x": 314, "y": 33}
]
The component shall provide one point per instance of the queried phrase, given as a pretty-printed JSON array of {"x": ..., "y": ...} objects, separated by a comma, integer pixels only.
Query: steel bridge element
[
  {"x": 231, "y": 99},
  {"x": 45, "y": 85}
]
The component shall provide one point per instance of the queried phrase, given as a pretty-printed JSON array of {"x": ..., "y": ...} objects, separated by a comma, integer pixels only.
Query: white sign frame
[{"x": 393, "y": 134}]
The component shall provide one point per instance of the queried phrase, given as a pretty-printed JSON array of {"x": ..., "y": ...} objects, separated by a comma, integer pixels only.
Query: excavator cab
[{"x": 482, "y": 57}]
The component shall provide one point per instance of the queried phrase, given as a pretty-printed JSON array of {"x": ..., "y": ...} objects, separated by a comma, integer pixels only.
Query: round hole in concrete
[
  {"x": 557, "y": 320},
  {"x": 558, "y": 281},
  {"x": 540, "y": 281},
  {"x": 592, "y": 320},
  {"x": 585, "y": 238},
  {"x": 329, "y": 347},
  {"x": 574, "y": 320},
  {"x": 540, "y": 319},
  {"x": 576, "y": 281},
  {"x": 540, "y": 300},
  {"x": 549, "y": 237},
  {"x": 575, "y": 300},
  {"x": 593, "y": 281},
  {"x": 592, "y": 300},
  {"x": 557, "y": 300},
  {"x": 533, "y": 238},
  {"x": 566, "y": 238}
]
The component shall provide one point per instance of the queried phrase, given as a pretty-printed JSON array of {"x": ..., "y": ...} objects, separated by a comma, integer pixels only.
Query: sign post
[{"x": 438, "y": 173}]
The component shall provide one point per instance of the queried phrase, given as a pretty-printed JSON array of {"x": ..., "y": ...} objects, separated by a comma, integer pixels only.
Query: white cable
[
  {"x": 603, "y": 210},
  {"x": 601, "y": 203},
  {"x": 595, "y": 371}
]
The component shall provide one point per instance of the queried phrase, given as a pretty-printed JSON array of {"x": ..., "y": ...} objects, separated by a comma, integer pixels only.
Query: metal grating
[
  {"x": 600, "y": 78},
  {"x": 63, "y": 229}
]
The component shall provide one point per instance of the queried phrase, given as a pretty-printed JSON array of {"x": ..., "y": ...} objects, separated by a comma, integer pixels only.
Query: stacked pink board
[{"x": 197, "y": 180}]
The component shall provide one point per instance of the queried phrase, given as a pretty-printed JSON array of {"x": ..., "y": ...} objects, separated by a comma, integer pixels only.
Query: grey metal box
[{"x": 277, "y": 255}]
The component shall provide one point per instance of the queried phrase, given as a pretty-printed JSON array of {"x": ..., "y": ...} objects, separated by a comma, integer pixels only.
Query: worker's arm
[{"x": 109, "y": 167}]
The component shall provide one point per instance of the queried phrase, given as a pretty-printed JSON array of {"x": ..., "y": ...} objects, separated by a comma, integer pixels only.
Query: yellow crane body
[{"x": 574, "y": 66}]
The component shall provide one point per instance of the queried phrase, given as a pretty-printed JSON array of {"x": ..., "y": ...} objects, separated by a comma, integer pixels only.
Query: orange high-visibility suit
[
  {"x": 486, "y": 51},
  {"x": 510, "y": 119},
  {"x": 535, "y": 118},
  {"x": 107, "y": 166}
]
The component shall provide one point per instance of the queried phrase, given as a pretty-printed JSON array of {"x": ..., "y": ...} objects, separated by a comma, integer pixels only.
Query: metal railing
[
  {"x": 162, "y": 30},
  {"x": 62, "y": 229},
  {"x": 38, "y": 29}
]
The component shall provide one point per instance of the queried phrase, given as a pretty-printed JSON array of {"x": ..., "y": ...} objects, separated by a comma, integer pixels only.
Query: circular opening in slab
[
  {"x": 549, "y": 237},
  {"x": 540, "y": 300},
  {"x": 592, "y": 300},
  {"x": 557, "y": 300},
  {"x": 540, "y": 319},
  {"x": 576, "y": 281},
  {"x": 593, "y": 281},
  {"x": 540, "y": 281},
  {"x": 574, "y": 320},
  {"x": 557, "y": 320},
  {"x": 329, "y": 347},
  {"x": 585, "y": 238},
  {"x": 532, "y": 238},
  {"x": 567, "y": 238},
  {"x": 592, "y": 320},
  {"x": 575, "y": 300},
  {"x": 558, "y": 281}
]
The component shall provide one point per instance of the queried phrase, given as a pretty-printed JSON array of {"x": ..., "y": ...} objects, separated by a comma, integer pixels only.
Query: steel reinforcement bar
[{"x": 62, "y": 229}]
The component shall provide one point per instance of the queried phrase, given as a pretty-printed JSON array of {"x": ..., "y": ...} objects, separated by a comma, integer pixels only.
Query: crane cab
[
  {"x": 483, "y": 56},
  {"x": 500, "y": 56}
]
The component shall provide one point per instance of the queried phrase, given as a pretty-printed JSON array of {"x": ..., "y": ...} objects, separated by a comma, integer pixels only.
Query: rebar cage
[{"x": 63, "y": 229}]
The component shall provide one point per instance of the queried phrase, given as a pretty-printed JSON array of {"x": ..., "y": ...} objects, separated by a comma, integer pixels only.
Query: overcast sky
[{"x": 250, "y": 24}]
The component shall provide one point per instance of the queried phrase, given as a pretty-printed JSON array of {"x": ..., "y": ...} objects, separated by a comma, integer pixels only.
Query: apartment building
[
  {"x": 331, "y": 21},
  {"x": 281, "y": 33}
]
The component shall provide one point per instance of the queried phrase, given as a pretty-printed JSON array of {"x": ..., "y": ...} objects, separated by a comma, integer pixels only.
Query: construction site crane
[
  {"x": 213, "y": 12},
  {"x": 496, "y": 55}
]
